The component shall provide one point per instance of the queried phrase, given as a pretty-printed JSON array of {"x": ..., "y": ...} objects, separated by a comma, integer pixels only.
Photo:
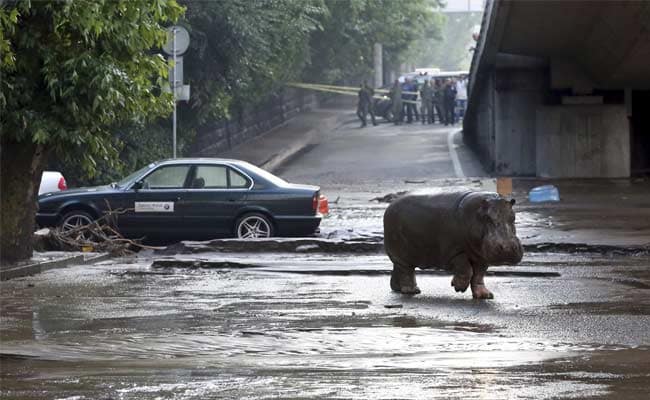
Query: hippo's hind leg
[
  {"x": 463, "y": 272},
  {"x": 479, "y": 291},
  {"x": 402, "y": 279}
]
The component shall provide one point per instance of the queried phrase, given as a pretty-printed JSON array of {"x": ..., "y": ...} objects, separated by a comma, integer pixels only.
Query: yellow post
[{"x": 504, "y": 186}]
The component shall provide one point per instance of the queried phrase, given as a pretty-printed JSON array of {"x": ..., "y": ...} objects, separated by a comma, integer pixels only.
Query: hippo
[{"x": 461, "y": 232}]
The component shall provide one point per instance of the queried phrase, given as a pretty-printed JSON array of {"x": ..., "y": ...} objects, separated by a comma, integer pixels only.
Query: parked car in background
[
  {"x": 52, "y": 181},
  {"x": 192, "y": 199}
]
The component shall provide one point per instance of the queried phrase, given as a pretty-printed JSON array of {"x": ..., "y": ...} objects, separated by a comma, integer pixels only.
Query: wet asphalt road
[
  {"x": 327, "y": 325},
  {"x": 385, "y": 155},
  {"x": 302, "y": 326}
]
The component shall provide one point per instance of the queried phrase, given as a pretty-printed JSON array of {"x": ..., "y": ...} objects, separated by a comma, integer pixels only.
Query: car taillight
[
  {"x": 62, "y": 184},
  {"x": 323, "y": 205},
  {"x": 314, "y": 202}
]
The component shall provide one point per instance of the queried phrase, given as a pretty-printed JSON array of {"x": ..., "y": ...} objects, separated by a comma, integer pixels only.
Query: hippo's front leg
[
  {"x": 463, "y": 272},
  {"x": 479, "y": 291},
  {"x": 402, "y": 279}
]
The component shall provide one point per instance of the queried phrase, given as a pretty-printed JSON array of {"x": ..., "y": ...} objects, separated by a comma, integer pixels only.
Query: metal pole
[
  {"x": 379, "y": 65},
  {"x": 174, "y": 92}
]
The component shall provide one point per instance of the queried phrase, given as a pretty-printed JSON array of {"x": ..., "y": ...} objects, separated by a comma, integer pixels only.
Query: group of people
[{"x": 442, "y": 99}]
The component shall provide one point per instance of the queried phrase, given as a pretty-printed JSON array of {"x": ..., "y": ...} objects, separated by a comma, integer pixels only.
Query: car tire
[
  {"x": 254, "y": 226},
  {"x": 74, "y": 219}
]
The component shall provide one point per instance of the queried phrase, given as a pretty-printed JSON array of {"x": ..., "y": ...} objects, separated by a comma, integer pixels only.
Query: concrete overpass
[{"x": 562, "y": 88}]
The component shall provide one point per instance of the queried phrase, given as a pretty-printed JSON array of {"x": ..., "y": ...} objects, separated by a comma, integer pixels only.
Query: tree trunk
[{"x": 22, "y": 164}]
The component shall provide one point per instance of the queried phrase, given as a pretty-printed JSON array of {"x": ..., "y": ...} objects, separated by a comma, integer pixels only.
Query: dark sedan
[{"x": 191, "y": 199}]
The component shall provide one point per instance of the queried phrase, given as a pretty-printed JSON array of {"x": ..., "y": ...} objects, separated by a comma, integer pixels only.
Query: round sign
[{"x": 182, "y": 40}]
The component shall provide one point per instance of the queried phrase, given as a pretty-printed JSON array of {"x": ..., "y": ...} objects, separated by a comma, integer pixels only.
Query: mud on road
[{"x": 289, "y": 325}]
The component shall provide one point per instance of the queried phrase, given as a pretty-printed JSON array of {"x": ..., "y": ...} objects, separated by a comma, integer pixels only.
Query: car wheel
[
  {"x": 72, "y": 221},
  {"x": 252, "y": 226}
]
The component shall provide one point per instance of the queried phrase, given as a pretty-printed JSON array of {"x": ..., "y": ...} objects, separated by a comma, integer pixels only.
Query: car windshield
[
  {"x": 134, "y": 175},
  {"x": 266, "y": 175}
]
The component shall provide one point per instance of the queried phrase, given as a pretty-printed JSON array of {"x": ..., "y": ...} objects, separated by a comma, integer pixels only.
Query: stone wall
[{"x": 214, "y": 139}]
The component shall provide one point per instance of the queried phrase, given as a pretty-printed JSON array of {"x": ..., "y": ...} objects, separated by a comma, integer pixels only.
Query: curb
[
  {"x": 277, "y": 161},
  {"x": 578, "y": 248},
  {"x": 338, "y": 246},
  {"x": 273, "y": 163},
  {"x": 37, "y": 268}
]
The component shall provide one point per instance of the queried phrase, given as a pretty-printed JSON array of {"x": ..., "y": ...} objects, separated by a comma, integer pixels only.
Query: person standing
[
  {"x": 461, "y": 96},
  {"x": 362, "y": 105},
  {"x": 450, "y": 102},
  {"x": 438, "y": 101},
  {"x": 409, "y": 96},
  {"x": 371, "y": 102},
  {"x": 426, "y": 97},
  {"x": 396, "y": 96},
  {"x": 414, "y": 98}
]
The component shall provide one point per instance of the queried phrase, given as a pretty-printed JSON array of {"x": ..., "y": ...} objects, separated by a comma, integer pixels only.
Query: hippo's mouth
[{"x": 510, "y": 254}]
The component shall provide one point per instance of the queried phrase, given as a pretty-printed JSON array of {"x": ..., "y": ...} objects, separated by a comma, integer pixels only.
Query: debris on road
[
  {"x": 544, "y": 193},
  {"x": 416, "y": 182},
  {"x": 225, "y": 264},
  {"x": 277, "y": 245},
  {"x": 390, "y": 197},
  {"x": 98, "y": 236}
]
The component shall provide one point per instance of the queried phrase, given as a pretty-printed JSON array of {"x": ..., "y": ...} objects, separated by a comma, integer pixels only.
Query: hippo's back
[{"x": 424, "y": 230}]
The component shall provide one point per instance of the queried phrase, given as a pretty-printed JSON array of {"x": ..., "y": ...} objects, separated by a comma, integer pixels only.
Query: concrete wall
[
  {"x": 478, "y": 124},
  {"x": 515, "y": 134},
  {"x": 640, "y": 140},
  {"x": 248, "y": 123},
  {"x": 519, "y": 92},
  {"x": 582, "y": 141}
]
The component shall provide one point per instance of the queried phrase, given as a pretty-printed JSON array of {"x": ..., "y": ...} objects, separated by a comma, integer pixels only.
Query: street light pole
[
  {"x": 178, "y": 40},
  {"x": 174, "y": 93}
]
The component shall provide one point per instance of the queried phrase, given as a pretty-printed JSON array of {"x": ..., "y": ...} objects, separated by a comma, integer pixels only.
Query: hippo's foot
[
  {"x": 460, "y": 282},
  {"x": 402, "y": 280},
  {"x": 481, "y": 292},
  {"x": 410, "y": 290}
]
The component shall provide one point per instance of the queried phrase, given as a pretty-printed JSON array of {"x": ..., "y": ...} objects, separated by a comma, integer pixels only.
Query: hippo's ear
[{"x": 512, "y": 202}]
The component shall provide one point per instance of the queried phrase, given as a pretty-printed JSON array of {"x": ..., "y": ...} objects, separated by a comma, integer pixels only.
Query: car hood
[{"x": 77, "y": 191}]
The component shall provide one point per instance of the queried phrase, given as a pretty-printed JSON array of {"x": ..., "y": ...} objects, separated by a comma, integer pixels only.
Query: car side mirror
[{"x": 137, "y": 186}]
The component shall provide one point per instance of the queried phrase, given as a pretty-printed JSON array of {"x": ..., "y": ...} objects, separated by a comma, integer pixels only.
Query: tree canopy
[
  {"x": 243, "y": 49},
  {"x": 451, "y": 50},
  {"x": 71, "y": 70},
  {"x": 343, "y": 48}
]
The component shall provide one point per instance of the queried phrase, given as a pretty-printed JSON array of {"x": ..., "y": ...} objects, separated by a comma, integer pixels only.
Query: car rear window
[
  {"x": 237, "y": 180},
  {"x": 211, "y": 177},
  {"x": 266, "y": 175}
]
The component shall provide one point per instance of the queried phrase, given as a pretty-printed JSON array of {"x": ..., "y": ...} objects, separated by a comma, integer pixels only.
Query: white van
[{"x": 52, "y": 181}]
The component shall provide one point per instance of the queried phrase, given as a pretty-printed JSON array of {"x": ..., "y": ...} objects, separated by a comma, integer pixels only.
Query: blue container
[{"x": 544, "y": 193}]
